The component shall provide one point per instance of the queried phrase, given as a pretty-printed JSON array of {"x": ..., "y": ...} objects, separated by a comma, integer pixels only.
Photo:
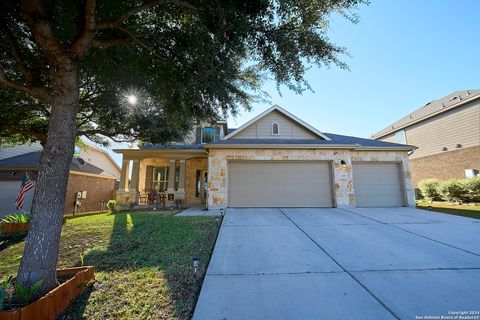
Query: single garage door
[
  {"x": 378, "y": 185},
  {"x": 279, "y": 184}
]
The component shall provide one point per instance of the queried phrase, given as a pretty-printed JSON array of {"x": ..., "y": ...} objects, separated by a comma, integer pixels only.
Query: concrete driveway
[{"x": 369, "y": 263}]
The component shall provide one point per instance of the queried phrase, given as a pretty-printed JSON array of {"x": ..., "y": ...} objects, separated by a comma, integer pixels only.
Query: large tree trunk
[{"x": 39, "y": 259}]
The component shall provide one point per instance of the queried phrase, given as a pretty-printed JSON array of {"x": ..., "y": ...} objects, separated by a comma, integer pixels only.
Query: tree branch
[
  {"x": 105, "y": 43},
  {"x": 17, "y": 52},
  {"x": 134, "y": 10},
  {"x": 88, "y": 133},
  {"x": 40, "y": 137},
  {"x": 37, "y": 20},
  {"x": 37, "y": 92},
  {"x": 80, "y": 45}
]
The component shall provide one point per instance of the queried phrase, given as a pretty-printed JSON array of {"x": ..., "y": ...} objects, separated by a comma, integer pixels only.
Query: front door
[{"x": 204, "y": 186}]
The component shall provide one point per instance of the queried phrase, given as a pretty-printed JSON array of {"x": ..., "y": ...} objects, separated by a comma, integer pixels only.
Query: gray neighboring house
[
  {"x": 89, "y": 187},
  {"x": 446, "y": 134},
  {"x": 273, "y": 160}
]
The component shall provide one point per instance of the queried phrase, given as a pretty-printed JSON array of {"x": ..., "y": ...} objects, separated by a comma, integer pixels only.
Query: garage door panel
[
  {"x": 279, "y": 184},
  {"x": 377, "y": 185}
]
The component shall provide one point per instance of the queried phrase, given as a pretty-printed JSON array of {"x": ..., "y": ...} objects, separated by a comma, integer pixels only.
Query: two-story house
[
  {"x": 273, "y": 160},
  {"x": 446, "y": 134}
]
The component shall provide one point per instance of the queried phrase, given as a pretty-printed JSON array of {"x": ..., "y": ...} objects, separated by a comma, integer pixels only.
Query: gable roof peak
[{"x": 276, "y": 107}]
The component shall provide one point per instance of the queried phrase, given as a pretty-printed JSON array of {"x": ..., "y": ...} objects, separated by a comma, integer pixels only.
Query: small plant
[
  {"x": 26, "y": 293},
  {"x": 472, "y": 186},
  {"x": 453, "y": 190},
  {"x": 179, "y": 203},
  {"x": 4, "y": 289},
  {"x": 429, "y": 189},
  {"x": 111, "y": 204},
  {"x": 17, "y": 218}
]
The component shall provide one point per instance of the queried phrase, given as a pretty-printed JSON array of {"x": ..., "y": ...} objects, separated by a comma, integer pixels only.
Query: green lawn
[
  {"x": 465, "y": 210},
  {"x": 143, "y": 263}
]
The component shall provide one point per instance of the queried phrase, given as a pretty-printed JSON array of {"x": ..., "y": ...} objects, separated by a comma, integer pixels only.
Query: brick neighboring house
[
  {"x": 446, "y": 133},
  {"x": 273, "y": 160},
  {"x": 89, "y": 186}
]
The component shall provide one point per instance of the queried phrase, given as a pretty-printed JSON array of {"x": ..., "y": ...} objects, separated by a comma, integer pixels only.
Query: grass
[
  {"x": 143, "y": 263},
  {"x": 464, "y": 210}
]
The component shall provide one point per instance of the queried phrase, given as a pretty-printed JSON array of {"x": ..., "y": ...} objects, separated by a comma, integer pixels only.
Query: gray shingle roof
[
  {"x": 32, "y": 159},
  {"x": 173, "y": 147},
  {"x": 449, "y": 102},
  {"x": 336, "y": 139}
]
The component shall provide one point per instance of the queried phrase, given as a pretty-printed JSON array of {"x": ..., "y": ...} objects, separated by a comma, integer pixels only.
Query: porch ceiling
[{"x": 138, "y": 154}]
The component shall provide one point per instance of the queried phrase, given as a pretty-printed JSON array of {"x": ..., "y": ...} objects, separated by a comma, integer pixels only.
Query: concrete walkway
[{"x": 395, "y": 263}]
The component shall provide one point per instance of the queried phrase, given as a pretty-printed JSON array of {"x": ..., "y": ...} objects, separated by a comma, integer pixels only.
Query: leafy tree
[{"x": 67, "y": 69}]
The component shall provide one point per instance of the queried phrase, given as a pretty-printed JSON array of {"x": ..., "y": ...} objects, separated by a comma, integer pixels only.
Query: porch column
[
  {"x": 135, "y": 175},
  {"x": 123, "y": 186},
  {"x": 181, "y": 178},
  {"x": 171, "y": 176}
]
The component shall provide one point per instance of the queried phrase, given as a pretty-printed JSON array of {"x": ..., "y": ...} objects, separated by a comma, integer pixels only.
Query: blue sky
[{"x": 404, "y": 53}]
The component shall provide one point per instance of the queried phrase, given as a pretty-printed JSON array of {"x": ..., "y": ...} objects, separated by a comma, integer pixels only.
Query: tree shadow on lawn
[
  {"x": 146, "y": 270},
  {"x": 11, "y": 239}
]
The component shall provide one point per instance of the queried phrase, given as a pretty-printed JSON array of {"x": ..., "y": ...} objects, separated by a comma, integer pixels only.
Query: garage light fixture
[{"x": 343, "y": 163}]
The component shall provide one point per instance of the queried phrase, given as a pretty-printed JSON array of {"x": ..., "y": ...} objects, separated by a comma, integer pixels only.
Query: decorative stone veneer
[{"x": 344, "y": 193}]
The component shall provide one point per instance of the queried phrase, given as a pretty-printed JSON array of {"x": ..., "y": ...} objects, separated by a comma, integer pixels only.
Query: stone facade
[
  {"x": 344, "y": 193},
  {"x": 130, "y": 193},
  {"x": 446, "y": 165}
]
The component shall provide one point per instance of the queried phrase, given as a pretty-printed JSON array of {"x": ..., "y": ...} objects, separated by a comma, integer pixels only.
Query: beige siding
[
  {"x": 458, "y": 126},
  {"x": 288, "y": 129},
  {"x": 101, "y": 160},
  {"x": 390, "y": 138}
]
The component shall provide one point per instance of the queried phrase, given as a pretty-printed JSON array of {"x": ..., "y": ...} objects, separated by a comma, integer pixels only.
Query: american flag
[{"x": 27, "y": 184}]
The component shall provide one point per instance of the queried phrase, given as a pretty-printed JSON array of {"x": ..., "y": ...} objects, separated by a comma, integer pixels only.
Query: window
[
  {"x": 198, "y": 183},
  {"x": 177, "y": 176},
  {"x": 160, "y": 178},
  {"x": 208, "y": 134},
  {"x": 275, "y": 129},
  {"x": 401, "y": 137}
]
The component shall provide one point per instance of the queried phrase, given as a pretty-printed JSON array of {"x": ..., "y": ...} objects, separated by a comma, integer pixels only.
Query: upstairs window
[
  {"x": 275, "y": 129},
  {"x": 401, "y": 137},
  {"x": 208, "y": 134}
]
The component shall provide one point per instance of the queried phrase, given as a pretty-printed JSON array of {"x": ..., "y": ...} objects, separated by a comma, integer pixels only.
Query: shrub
[
  {"x": 472, "y": 187},
  {"x": 453, "y": 190},
  {"x": 111, "y": 204},
  {"x": 17, "y": 218},
  {"x": 429, "y": 189},
  {"x": 418, "y": 194}
]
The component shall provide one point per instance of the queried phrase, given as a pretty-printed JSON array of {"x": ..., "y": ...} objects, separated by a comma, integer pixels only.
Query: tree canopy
[{"x": 184, "y": 60}]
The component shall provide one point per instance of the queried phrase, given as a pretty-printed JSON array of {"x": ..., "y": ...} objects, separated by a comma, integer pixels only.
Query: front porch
[{"x": 162, "y": 178}]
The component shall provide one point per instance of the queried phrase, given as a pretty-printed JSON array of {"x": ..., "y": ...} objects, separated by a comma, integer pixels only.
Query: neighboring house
[
  {"x": 89, "y": 186},
  {"x": 274, "y": 160},
  {"x": 446, "y": 133}
]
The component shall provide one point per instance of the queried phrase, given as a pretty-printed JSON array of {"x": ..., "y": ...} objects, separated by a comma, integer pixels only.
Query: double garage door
[{"x": 310, "y": 184}]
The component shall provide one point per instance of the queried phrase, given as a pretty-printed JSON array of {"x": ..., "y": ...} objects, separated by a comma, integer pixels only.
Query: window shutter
[
  {"x": 198, "y": 135},
  {"x": 217, "y": 134},
  {"x": 149, "y": 179}
]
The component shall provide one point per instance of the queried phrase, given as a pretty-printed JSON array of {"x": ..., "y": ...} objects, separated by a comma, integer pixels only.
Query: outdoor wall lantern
[
  {"x": 196, "y": 263},
  {"x": 343, "y": 163}
]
